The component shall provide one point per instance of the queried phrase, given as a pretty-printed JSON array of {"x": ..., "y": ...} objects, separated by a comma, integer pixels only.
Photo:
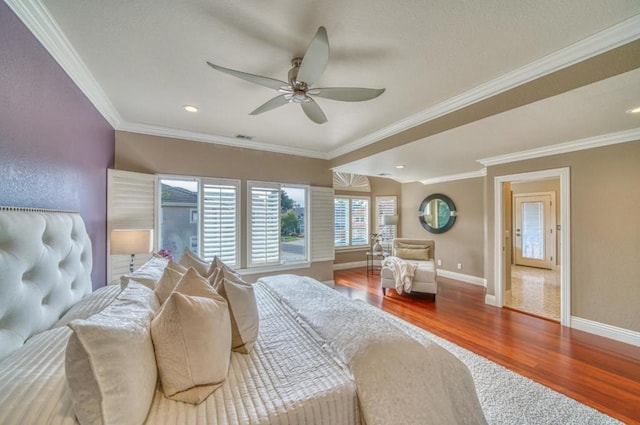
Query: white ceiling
[{"x": 148, "y": 60}]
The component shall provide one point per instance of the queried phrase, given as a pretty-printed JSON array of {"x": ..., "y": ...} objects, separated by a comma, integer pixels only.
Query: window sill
[
  {"x": 279, "y": 267},
  {"x": 353, "y": 248}
]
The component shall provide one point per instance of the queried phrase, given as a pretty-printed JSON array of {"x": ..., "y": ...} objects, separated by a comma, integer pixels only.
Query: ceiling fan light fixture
[{"x": 299, "y": 97}]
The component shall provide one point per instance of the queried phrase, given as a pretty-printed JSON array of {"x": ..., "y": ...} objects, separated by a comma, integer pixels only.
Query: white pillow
[
  {"x": 169, "y": 280},
  {"x": 189, "y": 259},
  {"x": 110, "y": 364},
  {"x": 192, "y": 340},
  {"x": 148, "y": 274},
  {"x": 242, "y": 308}
]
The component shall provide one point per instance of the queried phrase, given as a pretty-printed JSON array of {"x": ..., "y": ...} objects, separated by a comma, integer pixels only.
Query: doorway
[
  {"x": 534, "y": 287},
  {"x": 551, "y": 258}
]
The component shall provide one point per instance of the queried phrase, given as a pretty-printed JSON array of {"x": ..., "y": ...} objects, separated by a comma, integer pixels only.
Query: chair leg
[{"x": 384, "y": 292}]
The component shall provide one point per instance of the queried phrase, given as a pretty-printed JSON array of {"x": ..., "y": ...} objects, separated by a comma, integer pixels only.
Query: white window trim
[{"x": 350, "y": 247}]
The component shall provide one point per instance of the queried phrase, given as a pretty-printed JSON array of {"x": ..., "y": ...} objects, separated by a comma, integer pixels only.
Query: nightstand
[{"x": 371, "y": 257}]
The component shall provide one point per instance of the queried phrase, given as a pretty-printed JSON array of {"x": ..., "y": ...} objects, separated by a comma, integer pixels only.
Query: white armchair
[{"x": 420, "y": 252}]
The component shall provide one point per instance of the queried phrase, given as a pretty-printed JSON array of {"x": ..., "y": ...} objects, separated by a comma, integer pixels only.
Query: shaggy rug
[{"x": 509, "y": 398}]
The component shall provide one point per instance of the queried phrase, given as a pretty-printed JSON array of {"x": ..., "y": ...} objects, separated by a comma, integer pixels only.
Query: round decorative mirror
[{"x": 437, "y": 213}]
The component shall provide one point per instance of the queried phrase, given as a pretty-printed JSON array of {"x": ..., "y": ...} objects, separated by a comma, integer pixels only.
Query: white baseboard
[
  {"x": 330, "y": 283},
  {"x": 608, "y": 331},
  {"x": 463, "y": 277},
  {"x": 490, "y": 300},
  {"x": 352, "y": 265}
]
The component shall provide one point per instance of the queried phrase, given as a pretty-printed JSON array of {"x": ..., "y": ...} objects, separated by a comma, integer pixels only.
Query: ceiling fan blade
[
  {"x": 256, "y": 79},
  {"x": 347, "y": 94},
  {"x": 314, "y": 112},
  {"x": 272, "y": 104},
  {"x": 315, "y": 59}
]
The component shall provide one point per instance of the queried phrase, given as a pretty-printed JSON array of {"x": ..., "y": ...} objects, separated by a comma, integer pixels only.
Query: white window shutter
[
  {"x": 131, "y": 204},
  {"x": 322, "y": 224},
  {"x": 386, "y": 205},
  {"x": 220, "y": 223},
  {"x": 264, "y": 224}
]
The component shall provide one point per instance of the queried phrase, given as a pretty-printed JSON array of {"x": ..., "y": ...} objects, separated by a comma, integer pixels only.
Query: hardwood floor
[{"x": 596, "y": 371}]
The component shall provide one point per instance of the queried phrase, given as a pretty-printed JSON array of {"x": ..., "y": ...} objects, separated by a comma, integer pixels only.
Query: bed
[{"x": 319, "y": 357}]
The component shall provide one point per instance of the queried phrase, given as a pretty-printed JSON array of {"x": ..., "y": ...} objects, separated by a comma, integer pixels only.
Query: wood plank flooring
[{"x": 596, "y": 371}]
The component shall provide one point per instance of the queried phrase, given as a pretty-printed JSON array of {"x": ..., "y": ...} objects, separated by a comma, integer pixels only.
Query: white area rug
[{"x": 509, "y": 398}]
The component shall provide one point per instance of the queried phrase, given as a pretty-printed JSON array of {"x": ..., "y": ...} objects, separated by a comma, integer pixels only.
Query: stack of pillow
[{"x": 176, "y": 321}]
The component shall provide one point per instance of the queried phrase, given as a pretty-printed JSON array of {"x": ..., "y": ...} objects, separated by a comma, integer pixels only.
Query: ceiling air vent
[{"x": 244, "y": 137}]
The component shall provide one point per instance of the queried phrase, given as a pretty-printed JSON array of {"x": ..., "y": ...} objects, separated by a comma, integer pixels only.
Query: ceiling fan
[{"x": 305, "y": 71}]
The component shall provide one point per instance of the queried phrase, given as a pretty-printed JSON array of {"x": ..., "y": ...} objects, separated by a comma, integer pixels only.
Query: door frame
[{"x": 564, "y": 234}]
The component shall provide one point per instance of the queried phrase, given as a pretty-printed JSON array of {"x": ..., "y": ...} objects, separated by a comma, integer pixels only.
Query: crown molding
[
  {"x": 576, "y": 145},
  {"x": 154, "y": 130},
  {"x": 610, "y": 38},
  {"x": 36, "y": 17},
  {"x": 452, "y": 177}
]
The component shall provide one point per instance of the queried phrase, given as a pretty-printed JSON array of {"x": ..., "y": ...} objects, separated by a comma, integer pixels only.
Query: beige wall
[
  {"x": 550, "y": 185},
  {"x": 379, "y": 187},
  {"x": 605, "y": 230},
  {"x": 162, "y": 155},
  {"x": 464, "y": 243}
]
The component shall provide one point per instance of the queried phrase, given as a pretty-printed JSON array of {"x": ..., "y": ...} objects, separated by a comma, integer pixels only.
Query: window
[
  {"x": 351, "y": 218},
  {"x": 177, "y": 199},
  {"x": 386, "y": 205},
  {"x": 277, "y": 224},
  {"x": 220, "y": 220},
  {"x": 201, "y": 214}
]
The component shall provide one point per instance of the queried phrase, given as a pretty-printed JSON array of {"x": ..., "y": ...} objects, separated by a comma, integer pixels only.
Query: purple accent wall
[{"x": 55, "y": 147}]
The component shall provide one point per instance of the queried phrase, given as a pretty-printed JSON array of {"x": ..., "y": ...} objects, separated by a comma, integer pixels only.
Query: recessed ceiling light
[
  {"x": 634, "y": 110},
  {"x": 399, "y": 166},
  {"x": 190, "y": 108}
]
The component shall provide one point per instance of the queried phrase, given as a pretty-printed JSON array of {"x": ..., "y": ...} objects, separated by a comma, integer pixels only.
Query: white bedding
[{"x": 287, "y": 379}]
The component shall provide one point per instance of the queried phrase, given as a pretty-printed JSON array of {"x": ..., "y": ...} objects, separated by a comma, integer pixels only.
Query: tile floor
[{"x": 535, "y": 291}]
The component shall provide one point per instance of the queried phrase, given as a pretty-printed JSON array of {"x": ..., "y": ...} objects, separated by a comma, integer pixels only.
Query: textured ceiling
[{"x": 148, "y": 56}]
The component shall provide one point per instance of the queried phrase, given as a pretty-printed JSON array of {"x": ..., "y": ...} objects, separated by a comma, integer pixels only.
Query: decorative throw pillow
[
  {"x": 189, "y": 259},
  {"x": 413, "y": 254},
  {"x": 148, "y": 274},
  {"x": 110, "y": 364},
  {"x": 192, "y": 339},
  {"x": 242, "y": 308},
  {"x": 168, "y": 282}
]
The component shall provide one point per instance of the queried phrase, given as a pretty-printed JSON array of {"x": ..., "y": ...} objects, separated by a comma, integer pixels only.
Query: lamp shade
[
  {"x": 131, "y": 241},
  {"x": 390, "y": 220}
]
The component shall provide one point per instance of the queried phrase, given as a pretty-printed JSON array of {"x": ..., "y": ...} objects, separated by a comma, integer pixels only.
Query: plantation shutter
[
  {"x": 130, "y": 205},
  {"x": 341, "y": 219},
  {"x": 322, "y": 228},
  {"x": 359, "y": 221},
  {"x": 220, "y": 220},
  {"x": 386, "y": 205},
  {"x": 264, "y": 224}
]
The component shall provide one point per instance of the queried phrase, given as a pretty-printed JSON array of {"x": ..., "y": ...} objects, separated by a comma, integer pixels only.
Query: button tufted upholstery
[{"x": 45, "y": 268}]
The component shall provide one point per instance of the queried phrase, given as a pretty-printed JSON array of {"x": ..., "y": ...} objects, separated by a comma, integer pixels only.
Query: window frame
[
  {"x": 251, "y": 265},
  {"x": 378, "y": 217},
  {"x": 200, "y": 208},
  {"x": 350, "y": 246}
]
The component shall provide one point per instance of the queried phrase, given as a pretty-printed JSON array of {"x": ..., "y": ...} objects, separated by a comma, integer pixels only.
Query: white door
[{"x": 534, "y": 230}]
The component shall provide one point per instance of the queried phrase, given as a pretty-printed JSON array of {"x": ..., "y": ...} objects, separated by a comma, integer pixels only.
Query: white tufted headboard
[{"x": 45, "y": 268}]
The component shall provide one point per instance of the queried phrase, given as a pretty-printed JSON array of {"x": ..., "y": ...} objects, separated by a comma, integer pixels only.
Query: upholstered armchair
[{"x": 420, "y": 252}]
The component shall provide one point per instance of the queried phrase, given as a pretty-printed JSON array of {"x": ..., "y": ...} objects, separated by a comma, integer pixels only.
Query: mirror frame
[{"x": 452, "y": 218}]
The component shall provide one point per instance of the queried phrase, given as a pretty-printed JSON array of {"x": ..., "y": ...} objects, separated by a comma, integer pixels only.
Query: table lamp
[{"x": 131, "y": 241}]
